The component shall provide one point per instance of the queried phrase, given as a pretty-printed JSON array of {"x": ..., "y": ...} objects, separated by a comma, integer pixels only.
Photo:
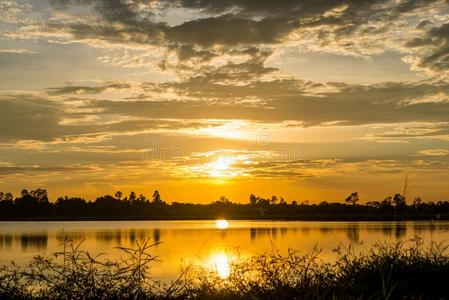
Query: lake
[{"x": 210, "y": 244}]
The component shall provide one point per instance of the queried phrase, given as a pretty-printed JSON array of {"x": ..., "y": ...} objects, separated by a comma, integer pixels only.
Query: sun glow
[
  {"x": 220, "y": 264},
  {"x": 229, "y": 130},
  {"x": 223, "y": 163},
  {"x": 221, "y": 224},
  {"x": 222, "y": 166}
]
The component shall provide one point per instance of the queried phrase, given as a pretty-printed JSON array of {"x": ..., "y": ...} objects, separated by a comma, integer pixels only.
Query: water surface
[{"x": 210, "y": 244}]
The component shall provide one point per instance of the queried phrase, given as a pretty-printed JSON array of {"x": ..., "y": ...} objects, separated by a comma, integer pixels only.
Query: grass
[{"x": 407, "y": 270}]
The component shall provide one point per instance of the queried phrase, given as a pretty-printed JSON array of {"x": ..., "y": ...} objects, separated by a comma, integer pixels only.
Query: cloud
[
  {"x": 28, "y": 117},
  {"x": 13, "y": 11},
  {"x": 434, "y": 152},
  {"x": 225, "y": 28},
  {"x": 227, "y": 93},
  {"x": 17, "y": 51},
  {"x": 418, "y": 130},
  {"x": 433, "y": 49},
  {"x": 87, "y": 89},
  {"x": 9, "y": 170},
  {"x": 288, "y": 100}
]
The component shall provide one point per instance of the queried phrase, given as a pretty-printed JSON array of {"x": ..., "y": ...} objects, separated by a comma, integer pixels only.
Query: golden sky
[{"x": 309, "y": 100}]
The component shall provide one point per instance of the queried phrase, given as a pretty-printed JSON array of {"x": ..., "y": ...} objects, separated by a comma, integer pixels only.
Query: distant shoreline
[
  {"x": 35, "y": 205},
  {"x": 196, "y": 218}
]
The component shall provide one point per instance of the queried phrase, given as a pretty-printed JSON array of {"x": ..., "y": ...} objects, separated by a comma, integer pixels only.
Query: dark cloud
[
  {"x": 34, "y": 118},
  {"x": 274, "y": 21},
  {"x": 37, "y": 169},
  {"x": 418, "y": 131},
  {"x": 209, "y": 97},
  {"x": 27, "y": 117},
  {"x": 224, "y": 26},
  {"x": 282, "y": 100},
  {"x": 234, "y": 90},
  {"x": 86, "y": 89},
  {"x": 435, "y": 43},
  {"x": 230, "y": 31}
]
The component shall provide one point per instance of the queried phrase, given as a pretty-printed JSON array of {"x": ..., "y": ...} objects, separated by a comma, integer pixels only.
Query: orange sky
[{"x": 198, "y": 99}]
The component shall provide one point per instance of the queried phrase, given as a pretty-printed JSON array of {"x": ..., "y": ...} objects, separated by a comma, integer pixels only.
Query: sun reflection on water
[
  {"x": 221, "y": 224},
  {"x": 220, "y": 264}
]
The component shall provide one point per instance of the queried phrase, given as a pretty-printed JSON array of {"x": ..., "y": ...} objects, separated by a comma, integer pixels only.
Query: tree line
[{"x": 35, "y": 204}]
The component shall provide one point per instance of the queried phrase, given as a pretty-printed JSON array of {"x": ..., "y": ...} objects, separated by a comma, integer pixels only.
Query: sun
[
  {"x": 223, "y": 163},
  {"x": 219, "y": 165},
  {"x": 222, "y": 166}
]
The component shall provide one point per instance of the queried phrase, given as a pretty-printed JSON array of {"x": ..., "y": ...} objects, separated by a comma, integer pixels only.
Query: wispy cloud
[
  {"x": 434, "y": 152},
  {"x": 17, "y": 51}
]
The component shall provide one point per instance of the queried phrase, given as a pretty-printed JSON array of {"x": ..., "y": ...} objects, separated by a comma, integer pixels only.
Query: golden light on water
[
  {"x": 220, "y": 265},
  {"x": 221, "y": 224}
]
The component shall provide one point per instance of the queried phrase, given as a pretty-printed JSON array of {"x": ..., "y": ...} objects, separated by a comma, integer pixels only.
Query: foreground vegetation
[
  {"x": 401, "y": 271},
  {"x": 35, "y": 204}
]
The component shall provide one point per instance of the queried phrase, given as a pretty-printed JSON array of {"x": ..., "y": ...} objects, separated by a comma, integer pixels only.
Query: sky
[{"x": 309, "y": 100}]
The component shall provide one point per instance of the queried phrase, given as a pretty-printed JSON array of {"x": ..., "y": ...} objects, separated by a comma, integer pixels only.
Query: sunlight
[
  {"x": 223, "y": 163},
  {"x": 220, "y": 265},
  {"x": 221, "y": 224},
  {"x": 222, "y": 166},
  {"x": 229, "y": 130}
]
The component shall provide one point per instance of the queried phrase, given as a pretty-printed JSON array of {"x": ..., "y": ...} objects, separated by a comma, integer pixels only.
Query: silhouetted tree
[
  {"x": 132, "y": 197},
  {"x": 36, "y": 204},
  {"x": 142, "y": 199},
  {"x": 108, "y": 205},
  {"x": 6, "y": 203},
  {"x": 252, "y": 199},
  {"x": 24, "y": 193},
  {"x": 399, "y": 200},
  {"x": 263, "y": 202},
  {"x": 33, "y": 203},
  {"x": 118, "y": 195},
  {"x": 416, "y": 203},
  {"x": 387, "y": 202},
  {"x": 353, "y": 198},
  {"x": 71, "y": 206},
  {"x": 375, "y": 204},
  {"x": 274, "y": 200},
  {"x": 223, "y": 199},
  {"x": 398, "y": 203},
  {"x": 157, "y": 198},
  {"x": 6, "y": 197},
  {"x": 40, "y": 195}
]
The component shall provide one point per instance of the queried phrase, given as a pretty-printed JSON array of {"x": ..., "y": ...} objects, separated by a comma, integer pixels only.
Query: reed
[{"x": 406, "y": 270}]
